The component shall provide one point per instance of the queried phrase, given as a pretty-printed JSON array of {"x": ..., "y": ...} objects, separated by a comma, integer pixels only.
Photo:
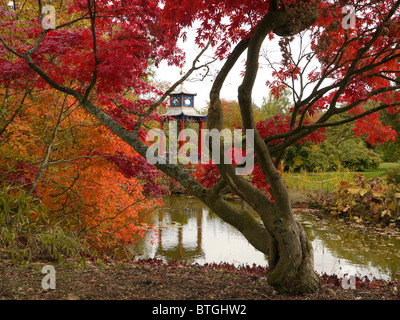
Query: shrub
[
  {"x": 357, "y": 157},
  {"x": 323, "y": 157},
  {"x": 371, "y": 199},
  {"x": 394, "y": 175},
  {"x": 312, "y": 158}
]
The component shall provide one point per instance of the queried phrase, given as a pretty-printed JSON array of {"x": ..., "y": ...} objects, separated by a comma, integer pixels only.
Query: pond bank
[{"x": 155, "y": 280}]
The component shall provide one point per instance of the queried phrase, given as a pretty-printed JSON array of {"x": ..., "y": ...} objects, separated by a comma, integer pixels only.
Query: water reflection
[
  {"x": 172, "y": 224},
  {"x": 187, "y": 230},
  {"x": 337, "y": 244}
]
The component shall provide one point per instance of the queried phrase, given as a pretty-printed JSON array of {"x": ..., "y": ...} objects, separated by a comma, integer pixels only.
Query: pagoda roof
[
  {"x": 182, "y": 111},
  {"x": 184, "y": 91}
]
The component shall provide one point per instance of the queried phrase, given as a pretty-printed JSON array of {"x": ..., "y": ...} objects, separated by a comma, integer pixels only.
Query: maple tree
[{"x": 100, "y": 50}]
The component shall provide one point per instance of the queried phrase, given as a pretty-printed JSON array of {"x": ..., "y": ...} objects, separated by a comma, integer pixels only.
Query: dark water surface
[{"x": 189, "y": 231}]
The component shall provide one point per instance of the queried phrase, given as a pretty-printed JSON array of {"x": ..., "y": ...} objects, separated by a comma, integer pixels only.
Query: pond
[{"x": 189, "y": 231}]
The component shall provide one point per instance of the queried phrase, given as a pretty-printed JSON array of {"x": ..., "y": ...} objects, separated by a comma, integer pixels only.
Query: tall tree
[{"x": 103, "y": 47}]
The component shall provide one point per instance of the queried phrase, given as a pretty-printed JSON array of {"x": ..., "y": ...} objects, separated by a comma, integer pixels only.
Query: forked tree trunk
[
  {"x": 279, "y": 236},
  {"x": 276, "y": 233}
]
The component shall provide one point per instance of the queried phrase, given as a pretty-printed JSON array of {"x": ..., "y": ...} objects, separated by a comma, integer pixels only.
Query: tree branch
[
  {"x": 92, "y": 14},
  {"x": 49, "y": 150},
  {"x": 21, "y": 105},
  {"x": 180, "y": 81}
]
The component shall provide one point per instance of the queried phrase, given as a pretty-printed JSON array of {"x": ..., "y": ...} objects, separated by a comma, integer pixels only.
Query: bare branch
[
  {"x": 49, "y": 150},
  {"x": 21, "y": 105}
]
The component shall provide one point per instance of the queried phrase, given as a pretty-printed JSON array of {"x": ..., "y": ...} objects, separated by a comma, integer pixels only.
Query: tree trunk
[
  {"x": 290, "y": 277},
  {"x": 277, "y": 234},
  {"x": 291, "y": 258}
]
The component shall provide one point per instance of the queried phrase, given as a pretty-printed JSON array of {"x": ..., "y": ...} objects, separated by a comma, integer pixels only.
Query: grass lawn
[
  {"x": 326, "y": 181},
  {"x": 379, "y": 172}
]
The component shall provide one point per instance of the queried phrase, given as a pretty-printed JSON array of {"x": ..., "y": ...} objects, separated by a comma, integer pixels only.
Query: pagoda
[{"x": 182, "y": 110}]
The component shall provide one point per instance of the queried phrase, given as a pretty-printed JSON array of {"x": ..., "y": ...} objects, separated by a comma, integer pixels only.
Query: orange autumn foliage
[{"x": 83, "y": 190}]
